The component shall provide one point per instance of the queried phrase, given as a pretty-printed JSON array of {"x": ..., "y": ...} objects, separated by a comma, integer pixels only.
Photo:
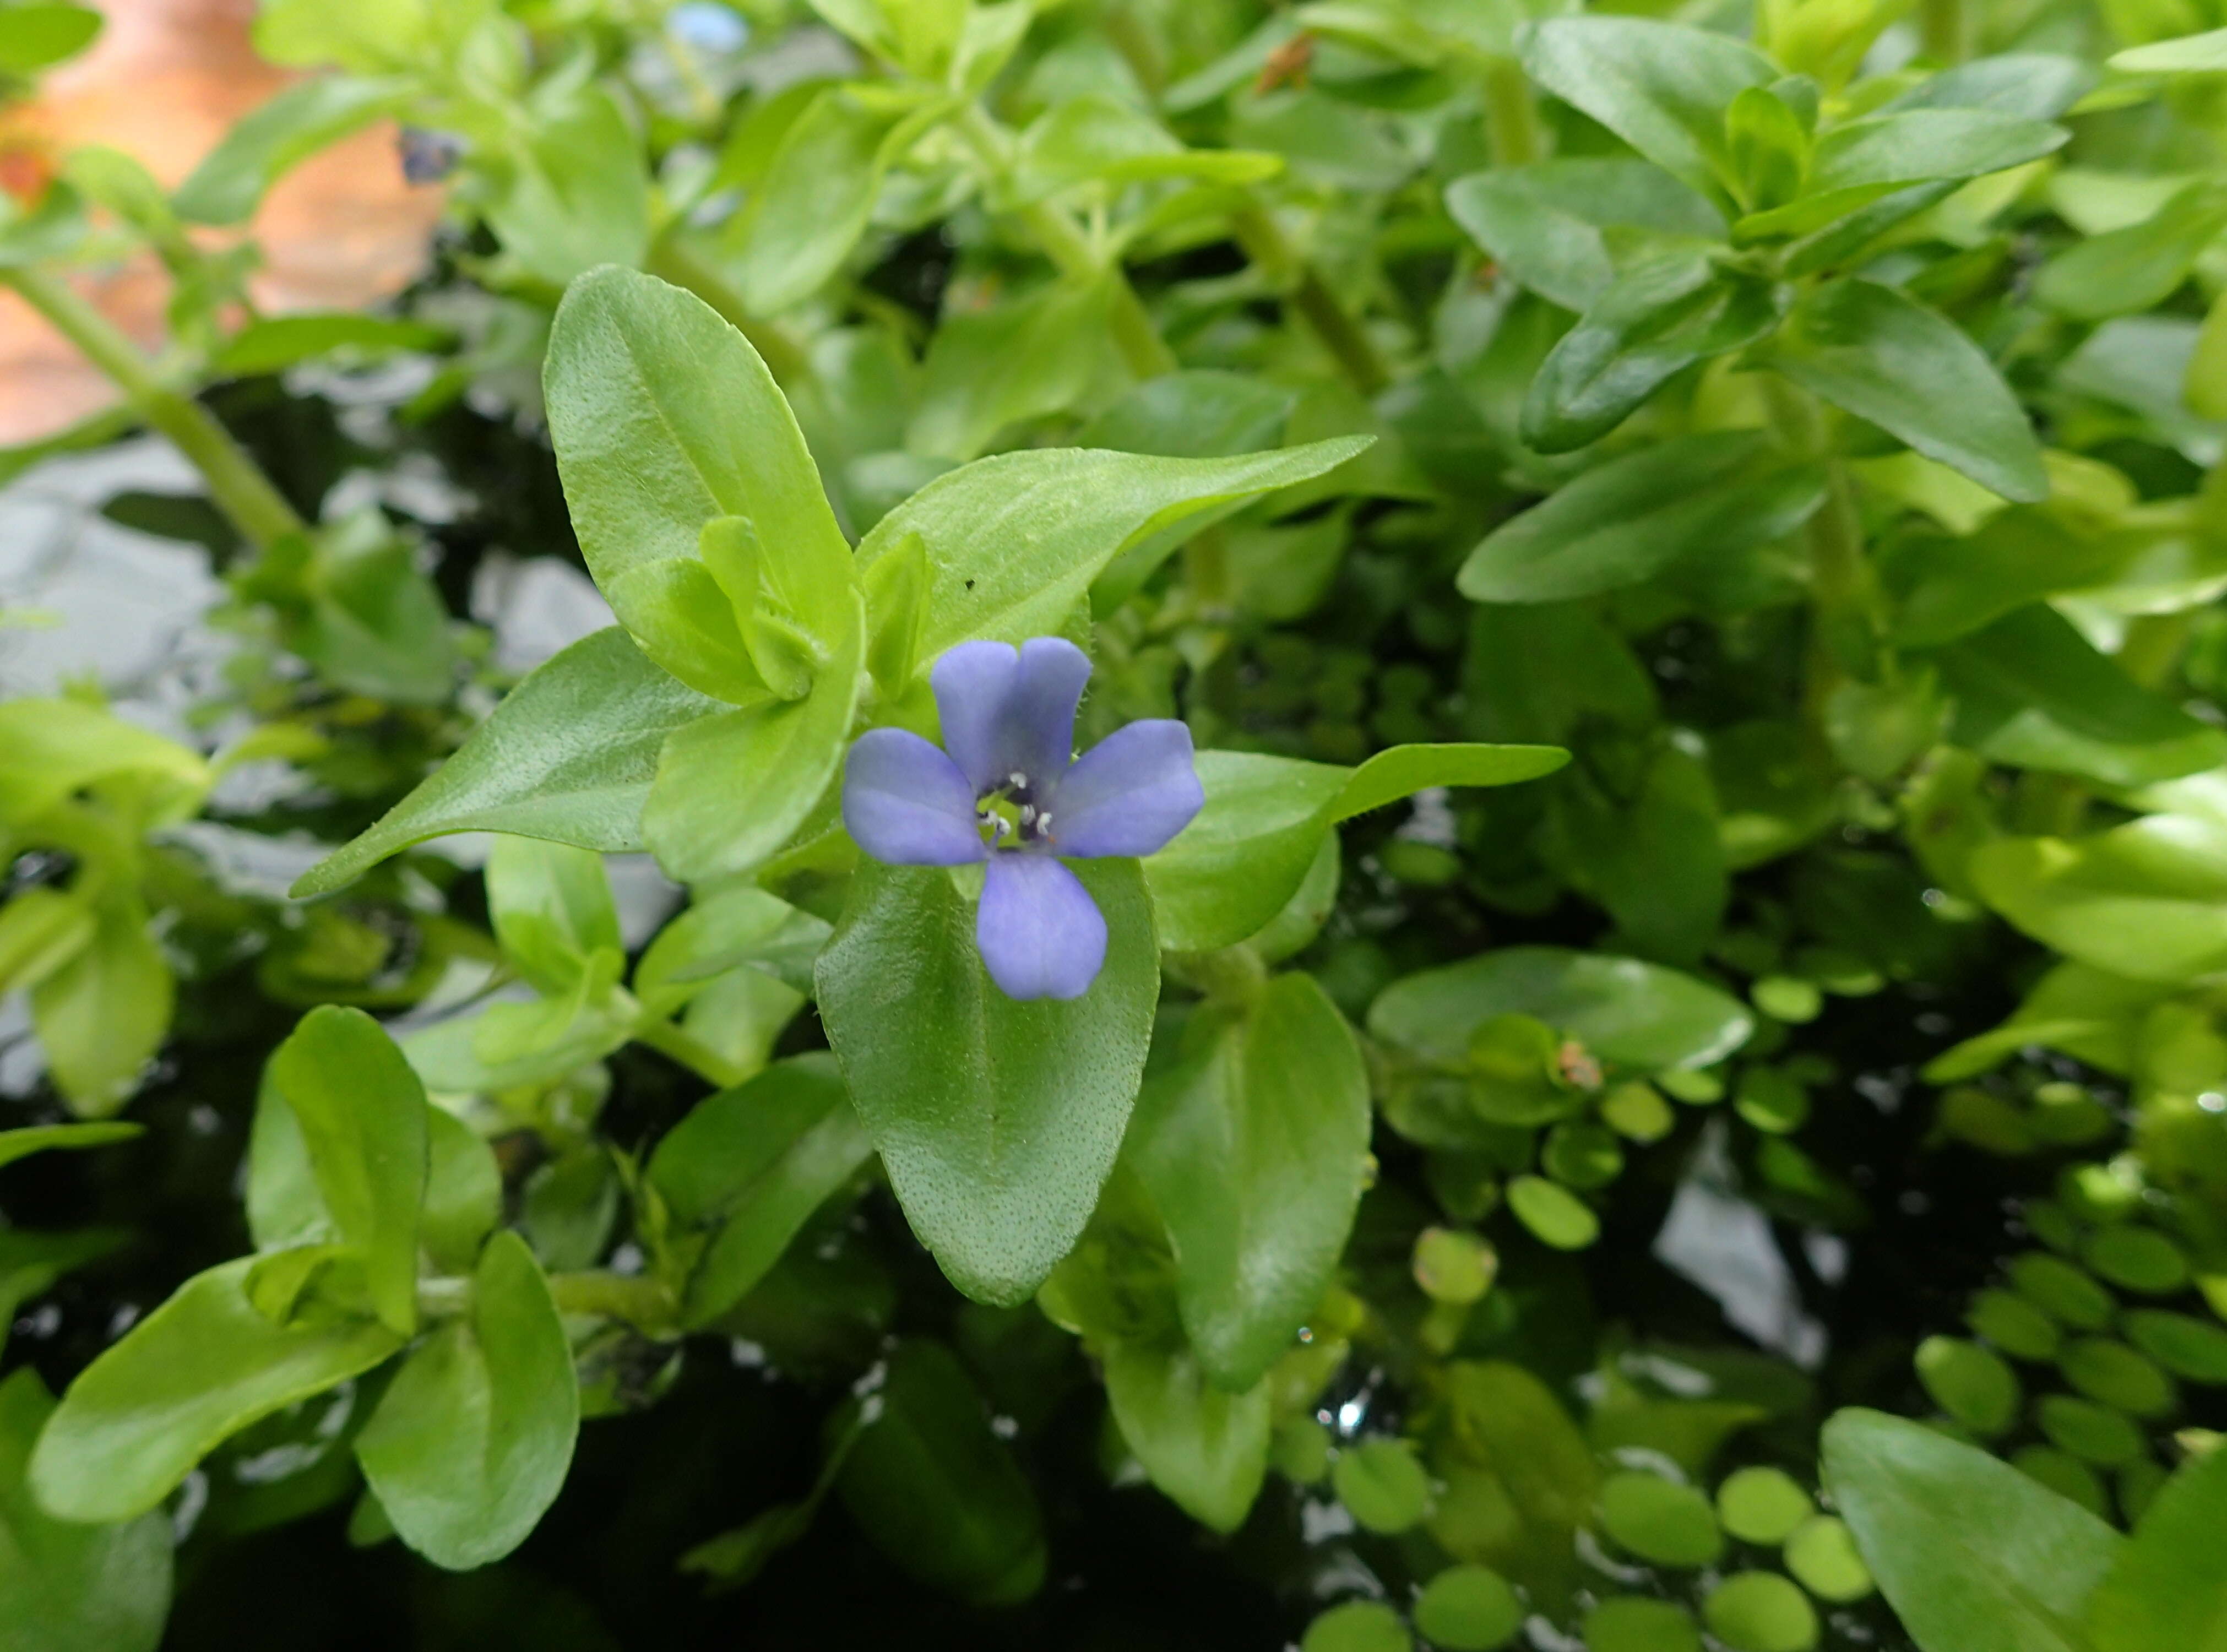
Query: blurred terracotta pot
[{"x": 164, "y": 81}]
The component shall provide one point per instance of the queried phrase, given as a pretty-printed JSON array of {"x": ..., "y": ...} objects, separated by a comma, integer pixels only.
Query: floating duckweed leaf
[
  {"x": 1451, "y": 1266},
  {"x": 1761, "y": 1612},
  {"x": 2013, "y": 1324},
  {"x": 1969, "y": 1383},
  {"x": 2111, "y": 1372},
  {"x": 1581, "y": 1155},
  {"x": 1821, "y": 1554},
  {"x": 1628, "y": 1623},
  {"x": 1381, "y": 1484},
  {"x": 2091, "y": 1433},
  {"x": 2137, "y": 1259},
  {"x": 1357, "y": 1626},
  {"x": 2061, "y": 1290},
  {"x": 1636, "y": 1111},
  {"x": 1469, "y": 1609},
  {"x": 1762, "y": 1505},
  {"x": 2189, "y": 1348},
  {"x": 1660, "y": 1520},
  {"x": 1554, "y": 1215}
]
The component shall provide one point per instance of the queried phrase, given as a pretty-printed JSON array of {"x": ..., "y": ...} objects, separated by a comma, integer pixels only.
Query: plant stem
[
  {"x": 1264, "y": 243},
  {"x": 690, "y": 1052},
  {"x": 1944, "y": 30},
  {"x": 1073, "y": 252},
  {"x": 1512, "y": 130},
  {"x": 642, "y": 1301},
  {"x": 240, "y": 490},
  {"x": 672, "y": 259},
  {"x": 1844, "y": 628}
]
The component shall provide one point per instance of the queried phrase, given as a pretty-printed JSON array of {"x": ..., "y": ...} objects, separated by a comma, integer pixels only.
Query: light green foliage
[
  {"x": 1970, "y": 1552},
  {"x": 470, "y": 1442},
  {"x": 997, "y": 1120},
  {"x": 66, "y": 1587}
]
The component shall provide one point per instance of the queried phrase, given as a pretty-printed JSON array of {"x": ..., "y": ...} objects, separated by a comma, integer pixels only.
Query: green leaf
[
  {"x": 738, "y": 928},
  {"x": 1238, "y": 863},
  {"x": 934, "y": 1488},
  {"x": 733, "y": 788},
  {"x": 1358, "y": 1626},
  {"x": 1971, "y": 1383},
  {"x": 813, "y": 201},
  {"x": 2166, "y": 1592},
  {"x": 551, "y": 906},
  {"x": 1863, "y": 160},
  {"x": 1632, "y": 1013},
  {"x": 1564, "y": 227},
  {"x": 463, "y": 1193},
  {"x": 997, "y": 1120},
  {"x": 1760, "y": 1611},
  {"x": 1656, "y": 319},
  {"x": 232, "y": 178},
  {"x": 1469, "y": 1609},
  {"x": 2032, "y": 691},
  {"x": 67, "y": 1587},
  {"x": 988, "y": 370},
  {"x": 1255, "y": 1148},
  {"x": 102, "y": 1016},
  {"x": 1232, "y": 869},
  {"x": 1555, "y": 1215},
  {"x": 1974, "y": 1556},
  {"x": 567, "y": 756},
  {"x": 576, "y": 193},
  {"x": 35, "y": 37},
  {"x": 362, "y": 1117},
  {"x": 1205, "y": 1448},
  {"x": 2138, "y": 267},
  {"x": 1517, "y": 1477},
  {"x": 2147, "y": 901},
  {"x": 281, "y": 341},
  {"x": 1381, "y": 1484},
  {"x": 471, "y": 1441},
  {"x": 376, "y": 625},
  {"x": 1630, "y": 518},
  {"x": 1013, "y": 541},
  {"x": 2204, "y": 54},
  {"x": 1662, "y": 87},
  {"x": 1659, "y": 1521},
  {"x": 198, "y": 1370},
  {"x": 664, "y": 418},
  {"x": 1402, "y": 771},
  {"x": 40, "y": 1138},
  {"x": 1885, "y": 358},
  {"x": 751, "y": 1164},
  {"x": 51, "y": 748}
]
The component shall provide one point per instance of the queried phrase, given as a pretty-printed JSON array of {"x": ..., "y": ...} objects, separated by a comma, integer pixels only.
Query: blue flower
[{"x": 1012, "y": 792}]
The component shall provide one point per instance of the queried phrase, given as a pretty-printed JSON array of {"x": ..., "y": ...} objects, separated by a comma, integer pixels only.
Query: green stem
[
  {"x": 671, "y": 259},
  {"x": 1073, "y": 252},
  {"x": 1844, "y": 624},
  {"x": 1944, "y": 30},
  {"x": 2153, "y": 644},
  {"x": 1512, "y": 130},
  {"x": 240, "y": 490},
  {"x": 1348, "y": 345},
  {"x": 690, "y": 1052},
  {"x": 641, "y": 1301}
]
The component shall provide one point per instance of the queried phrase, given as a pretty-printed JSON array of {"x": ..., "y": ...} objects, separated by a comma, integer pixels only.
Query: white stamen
[
  {"x": 1027, "y": 813},
  {"x": 1044, "y": 824},
  {"x": 1018, "y": 781}
]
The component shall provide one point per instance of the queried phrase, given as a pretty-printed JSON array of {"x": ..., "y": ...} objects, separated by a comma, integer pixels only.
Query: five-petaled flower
[{"x": 1012, "y": 794}]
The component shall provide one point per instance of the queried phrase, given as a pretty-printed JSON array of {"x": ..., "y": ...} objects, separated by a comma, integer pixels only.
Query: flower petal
[
  {"x": 972, "y": 682},
  {"x": 1007, "y": 713},
  {"x": 1128, "y": 794},
  {"x": 1041, "y": 934},
  {"x": 906, "y": 803}
]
